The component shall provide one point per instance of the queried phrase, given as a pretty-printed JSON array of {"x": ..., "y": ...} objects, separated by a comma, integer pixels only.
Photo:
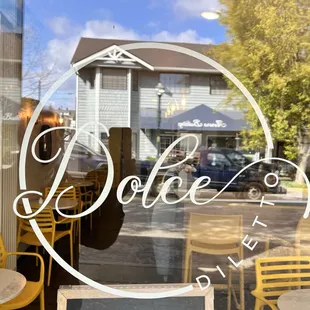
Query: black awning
[{"x": 201, "y": 118}]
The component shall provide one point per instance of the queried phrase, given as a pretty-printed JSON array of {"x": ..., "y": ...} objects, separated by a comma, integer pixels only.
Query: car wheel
[{"x": 253, "y": 191}]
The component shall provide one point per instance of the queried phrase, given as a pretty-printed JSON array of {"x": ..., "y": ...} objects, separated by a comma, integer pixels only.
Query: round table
[
  {"x": 12, "y": 284},
  {"x": 82, "y": 183},
  {"x": 295, "y": 300},
  {"x": 63, "y": 203}
]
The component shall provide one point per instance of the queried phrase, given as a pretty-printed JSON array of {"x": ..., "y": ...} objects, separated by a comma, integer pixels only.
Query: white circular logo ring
[{"x": 49, "y": 93}]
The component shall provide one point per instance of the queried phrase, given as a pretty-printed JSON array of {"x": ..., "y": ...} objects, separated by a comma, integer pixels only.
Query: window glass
[
  {"x": 217, "y": 160},
  {"x": 79, "y": 150},
  {"x": 176, "y": 83},
  {"x": 237, "y": 158},
  {"x": 114, "y": 79},
  {"x": 218, "y": 85}
]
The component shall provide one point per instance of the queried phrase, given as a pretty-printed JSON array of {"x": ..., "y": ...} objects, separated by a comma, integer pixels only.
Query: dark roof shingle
[{"x": 155, "y": 57}]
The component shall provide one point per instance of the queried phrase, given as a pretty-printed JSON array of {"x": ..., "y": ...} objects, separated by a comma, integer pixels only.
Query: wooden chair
[
  {"x": 216, "y": 235},
  {"x": 32, "y": 289},
  {"x": 47, "y": 224},
  {"x": 278, "y": 275}
]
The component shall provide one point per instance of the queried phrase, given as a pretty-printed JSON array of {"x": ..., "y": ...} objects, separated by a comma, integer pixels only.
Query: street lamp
[{"x": 160, "y": 90}]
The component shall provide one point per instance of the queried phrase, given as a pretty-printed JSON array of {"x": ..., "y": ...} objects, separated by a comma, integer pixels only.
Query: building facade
[{"x": 117, "y": 89}]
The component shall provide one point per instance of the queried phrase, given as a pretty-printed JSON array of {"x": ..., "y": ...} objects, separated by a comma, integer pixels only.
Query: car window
[
  {"x": 215, "y": 160},
  {"x": 237, "y": 158},
  {"x": 78, "y": 150}
]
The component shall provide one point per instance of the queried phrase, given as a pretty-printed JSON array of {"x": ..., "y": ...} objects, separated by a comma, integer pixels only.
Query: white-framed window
[
  {"x": 218, "y": 85},
  {"x": 114, "y": 79},
  {"x": 176, "y": 83}
]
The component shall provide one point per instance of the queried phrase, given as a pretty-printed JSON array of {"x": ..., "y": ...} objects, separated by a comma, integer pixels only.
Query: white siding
[
  {"x": 114, "y": 103},
  {"x": 135, "y": 111},
  {"x": 199, "y": 92},
  {"x": 114, "y": 108},
  {"x": 86, "y": 104},
  {"x": 147, "y": 149}
]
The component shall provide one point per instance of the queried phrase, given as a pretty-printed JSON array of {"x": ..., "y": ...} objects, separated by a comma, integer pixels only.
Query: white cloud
[
  {"x": 109, "y": 30},
  {"x": 61, "y": 49},
  {"x": 196, "y": 7},
  {"x": 60, "y": 25},
  {"x": 188, "y": 36},
  {"x": 153, "y": 24}
]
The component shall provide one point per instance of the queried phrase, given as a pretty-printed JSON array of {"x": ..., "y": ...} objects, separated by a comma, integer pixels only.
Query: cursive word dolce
[
  {"x": 133, "y": 181},
  {"x": 197, "y": 123}
]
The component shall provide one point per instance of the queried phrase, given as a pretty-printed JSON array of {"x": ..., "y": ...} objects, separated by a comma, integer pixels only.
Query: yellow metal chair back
[
  {"x": 32, "y": 289},
  {"x": 278, "y": 275},
  {"x": 45, "y": 220},
  {"x": 3, "y": 253},
  {"x": 47, "y": 224},
  {"x": 70, "y": 194},
  {"x": 215, "y": 235},
  {"x": 302, "y": 240}
]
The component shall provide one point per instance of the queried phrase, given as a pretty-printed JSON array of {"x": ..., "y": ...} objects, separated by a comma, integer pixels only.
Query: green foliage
[
  {"x": 292, "y": 184},
  {"x": 269, "y": 52},
  {"x": 149, "y": 158}
]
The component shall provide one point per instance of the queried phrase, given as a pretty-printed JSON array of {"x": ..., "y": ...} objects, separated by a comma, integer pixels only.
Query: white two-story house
[{"x": 117, "y": 89}]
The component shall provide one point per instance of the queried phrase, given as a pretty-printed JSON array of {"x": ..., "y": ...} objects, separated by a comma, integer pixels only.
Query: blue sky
[{"x": 58, "y": 25}]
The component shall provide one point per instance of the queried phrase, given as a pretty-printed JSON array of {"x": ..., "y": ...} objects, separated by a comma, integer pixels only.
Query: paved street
[{"x": 151, "y": 244}]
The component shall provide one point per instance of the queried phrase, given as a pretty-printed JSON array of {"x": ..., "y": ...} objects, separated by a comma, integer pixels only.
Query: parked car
[
  {"x": 221, "y": 165},
  {"x": 83, "y": 159}
]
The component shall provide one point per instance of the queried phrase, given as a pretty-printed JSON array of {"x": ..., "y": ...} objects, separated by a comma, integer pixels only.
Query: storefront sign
[{"x": 197, "y": 123}]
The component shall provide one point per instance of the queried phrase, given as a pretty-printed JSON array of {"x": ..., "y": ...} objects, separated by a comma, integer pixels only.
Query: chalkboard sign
[{"x": 87, "y": 298}]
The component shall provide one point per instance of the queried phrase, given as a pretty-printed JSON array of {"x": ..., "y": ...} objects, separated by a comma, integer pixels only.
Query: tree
[
  {"x": 269, "y": 51},
  {"x": 38, "y": 70}
]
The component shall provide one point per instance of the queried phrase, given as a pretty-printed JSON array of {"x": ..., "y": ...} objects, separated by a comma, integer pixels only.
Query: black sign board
[{"x": 87, "y": 298}]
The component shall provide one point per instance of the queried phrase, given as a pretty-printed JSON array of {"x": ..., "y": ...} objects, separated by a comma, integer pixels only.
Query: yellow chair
[
  {"x": 47, "y": 224},
  {"x": 278, "y": 275},
  {"x": 216, "y": 235},
  {"x": 32, "y": 289},
  {"x": 70, "y": 194},
  {"x": 97, "y": 187},
  {"x": 86, "y": 200},
  {"x": 302, "y": 240}
]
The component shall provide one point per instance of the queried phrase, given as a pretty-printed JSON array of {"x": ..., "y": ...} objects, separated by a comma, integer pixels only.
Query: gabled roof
[{"x": 159, "y": 59}]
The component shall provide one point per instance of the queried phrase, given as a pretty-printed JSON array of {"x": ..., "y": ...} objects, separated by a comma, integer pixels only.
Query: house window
[
  {"x": 218, "y": 85},
  {"x": 176, "y": 83},
  {"x": 135, "y": 80},
  {"x": 114, "y": 79}
]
